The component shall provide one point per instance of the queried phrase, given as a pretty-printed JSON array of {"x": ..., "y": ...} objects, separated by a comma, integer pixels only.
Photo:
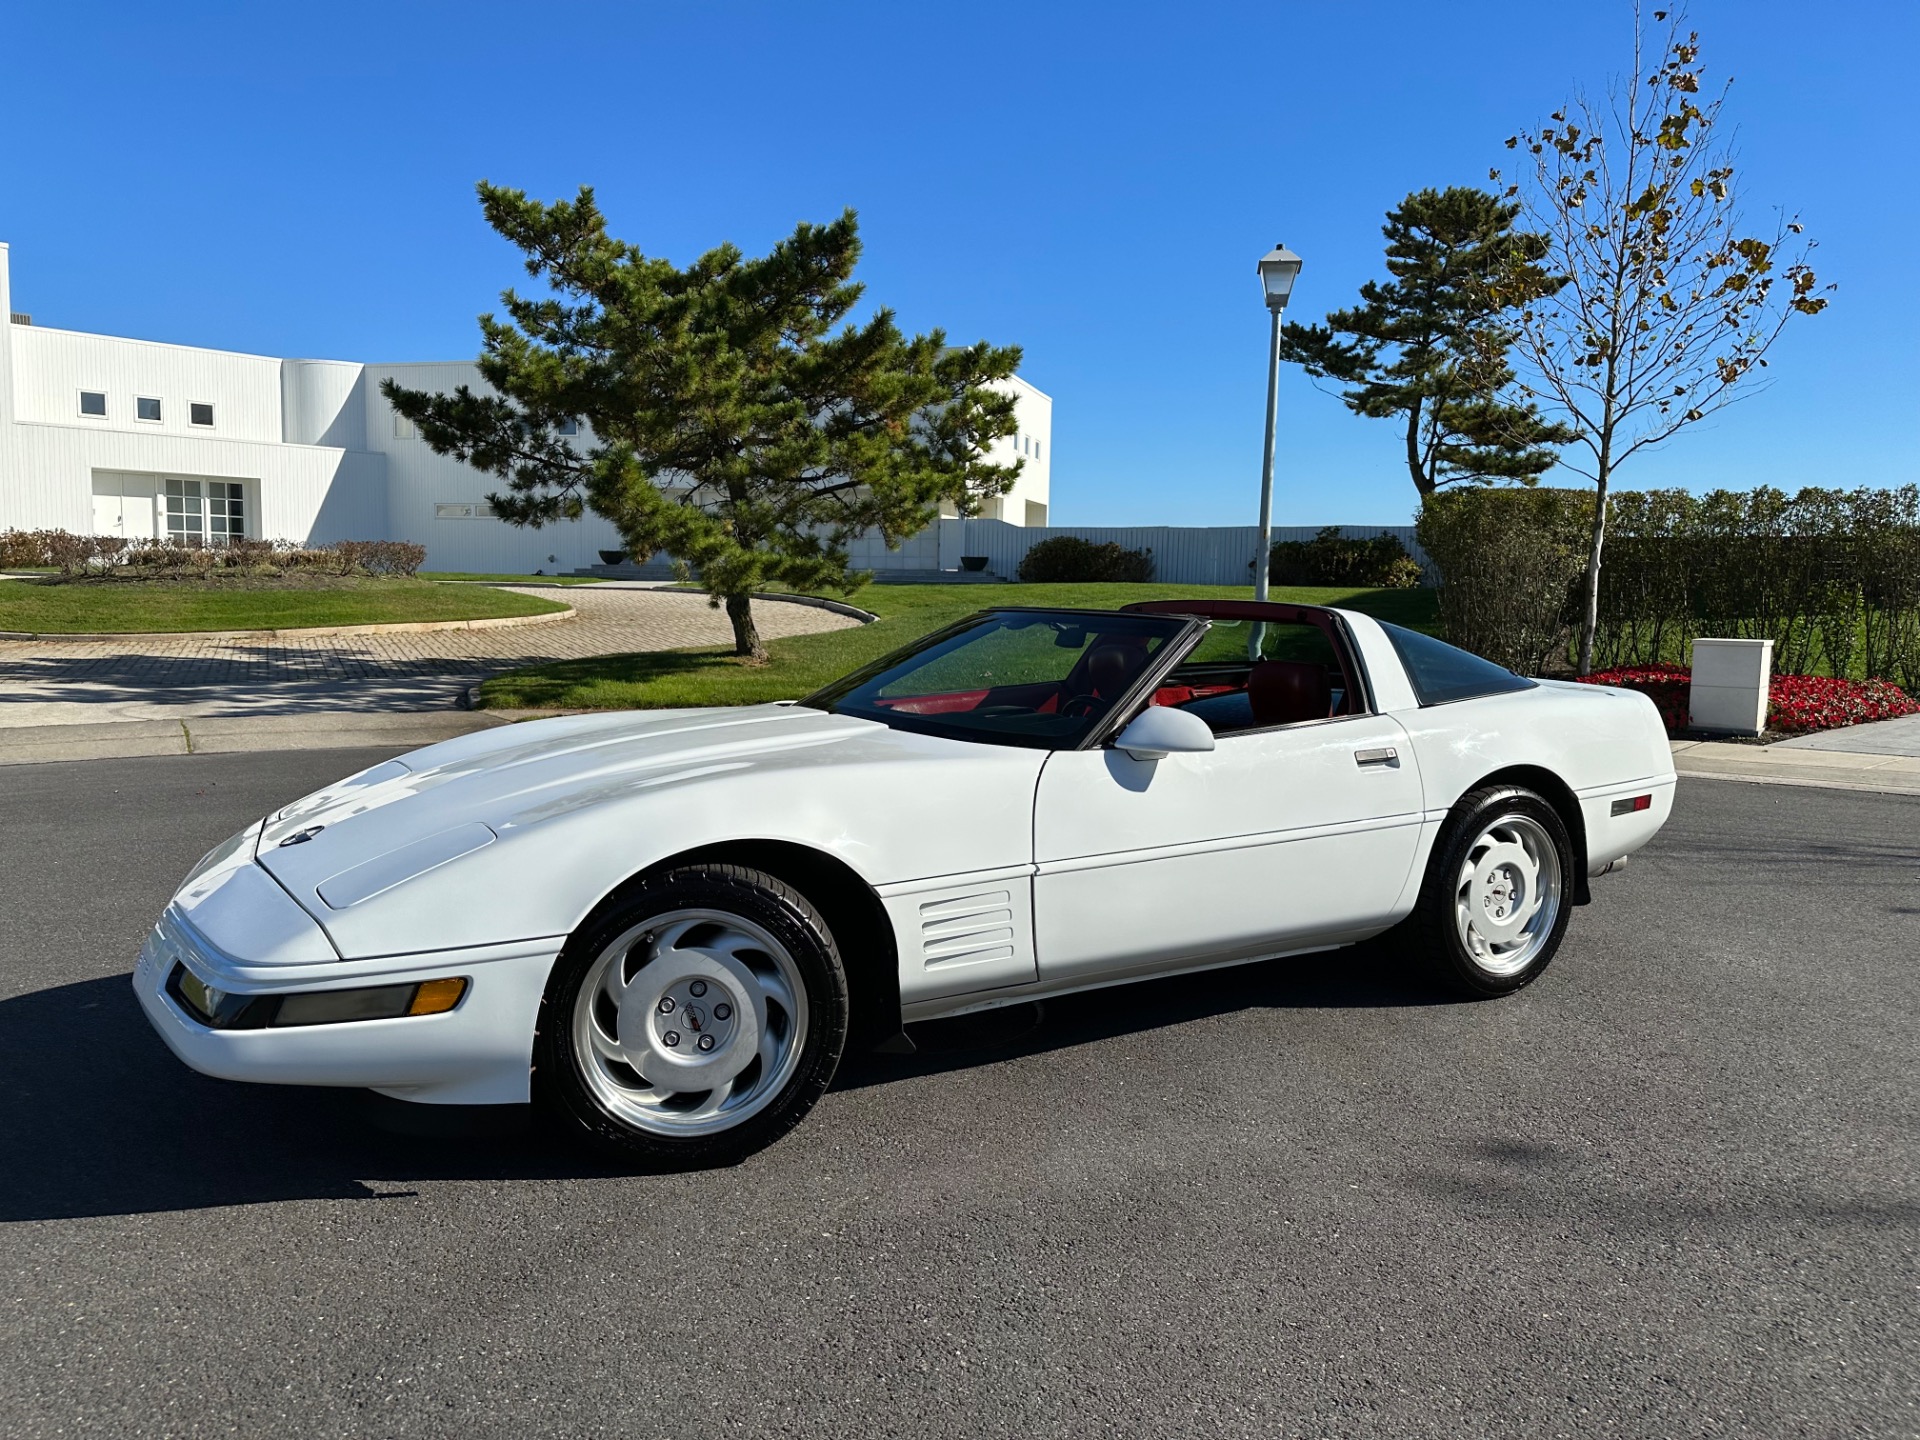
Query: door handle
[{"x": 1384, "y": 755}]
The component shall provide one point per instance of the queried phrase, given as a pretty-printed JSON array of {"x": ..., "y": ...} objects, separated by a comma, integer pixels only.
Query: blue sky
[{"x": 1091, "y": 181}]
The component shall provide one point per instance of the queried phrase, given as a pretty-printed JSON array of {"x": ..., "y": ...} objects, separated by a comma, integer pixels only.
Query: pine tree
[
  {"x": 732, "y": 425},
  {"x": 1429, "y": 347}
]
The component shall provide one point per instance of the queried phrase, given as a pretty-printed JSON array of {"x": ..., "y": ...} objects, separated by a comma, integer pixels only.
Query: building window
[
  {"x": 1036, "y": 512},
  {"x": 1036, "y": 449},
  {"x": 205, "y": 512},
  {"x": 568, "y": 427},
  {"x": 403, "y": 428},
  {"x": 199, "y": 413},
  {"x": 146, "y": 407},
  {"x": 453, "y": 512},
  {"x": 93, "y": 402}
]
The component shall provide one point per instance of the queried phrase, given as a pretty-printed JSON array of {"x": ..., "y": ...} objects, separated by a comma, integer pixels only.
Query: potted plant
[
  {"x": 613, "y": 557},
  {"x": 975, "y": 563}
]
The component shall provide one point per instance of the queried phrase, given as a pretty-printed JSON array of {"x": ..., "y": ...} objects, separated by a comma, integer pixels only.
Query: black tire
[
  {"x": 561, "y": 1082},
  {"x": 1432, "y": 932}
]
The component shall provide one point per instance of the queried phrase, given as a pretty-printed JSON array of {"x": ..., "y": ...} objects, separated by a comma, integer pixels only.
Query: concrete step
[{"x": 628, "y": 570}]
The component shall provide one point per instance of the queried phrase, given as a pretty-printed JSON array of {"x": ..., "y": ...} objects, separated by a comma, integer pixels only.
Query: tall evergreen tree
[
  {"x": 1428, "y": 347},
  {"x": 732, "y": 425}
]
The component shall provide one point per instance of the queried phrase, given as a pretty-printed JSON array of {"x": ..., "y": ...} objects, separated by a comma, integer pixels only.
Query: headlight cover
[{"x": 220, "y": 1010}]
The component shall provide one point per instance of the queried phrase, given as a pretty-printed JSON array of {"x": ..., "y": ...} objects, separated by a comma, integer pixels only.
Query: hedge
[
  {"x": 72, "y": 554},
  {"x": 1832, "y": 577},
  {"x": 1510, "y": 563},
  {"x": 1069, "y": 559},
  {"x": 1330, "y": 558}
]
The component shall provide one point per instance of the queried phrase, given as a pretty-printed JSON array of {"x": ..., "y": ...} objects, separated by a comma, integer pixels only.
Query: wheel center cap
[{"x": 697, "y": 1024}]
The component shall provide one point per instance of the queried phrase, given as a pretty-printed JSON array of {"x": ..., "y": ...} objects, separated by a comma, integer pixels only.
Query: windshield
[{"x": 1012, "y": 677}]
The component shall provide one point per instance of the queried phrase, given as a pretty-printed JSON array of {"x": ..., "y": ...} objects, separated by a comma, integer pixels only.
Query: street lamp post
[{"x": 1278, "y": 267}]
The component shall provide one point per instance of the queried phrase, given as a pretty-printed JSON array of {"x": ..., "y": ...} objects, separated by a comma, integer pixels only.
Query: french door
[{"x": 204, "y": 512}]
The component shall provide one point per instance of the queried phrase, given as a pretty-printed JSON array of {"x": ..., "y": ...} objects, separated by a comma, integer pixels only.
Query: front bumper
[{"x": 480, "y": 1052}]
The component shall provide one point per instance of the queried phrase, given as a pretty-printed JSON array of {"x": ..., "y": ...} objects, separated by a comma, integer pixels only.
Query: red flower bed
[
  {"x": 1796, "y": 704},
  {"x": 1665, "y": 685}
]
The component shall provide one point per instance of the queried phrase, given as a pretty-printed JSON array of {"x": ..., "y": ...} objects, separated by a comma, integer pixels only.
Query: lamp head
[{"x": 1278, "y": 268}]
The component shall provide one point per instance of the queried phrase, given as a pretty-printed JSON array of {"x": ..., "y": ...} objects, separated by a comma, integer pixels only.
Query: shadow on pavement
[
  {"x": 1364, "y": 977},
  {"x": 243, "y": 679},
  {"x": 98, "y": 1118}
]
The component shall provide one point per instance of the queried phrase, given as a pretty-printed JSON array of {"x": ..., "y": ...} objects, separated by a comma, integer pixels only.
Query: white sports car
[{"x": 666, "y": 926}]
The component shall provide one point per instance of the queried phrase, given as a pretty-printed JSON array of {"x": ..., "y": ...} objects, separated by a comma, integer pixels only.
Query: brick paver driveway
[{"x": 160, "y": 677}]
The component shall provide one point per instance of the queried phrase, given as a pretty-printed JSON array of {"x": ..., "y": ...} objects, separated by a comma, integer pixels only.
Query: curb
[
  {"x": 237, "y": 734},
  {"x": 818, "y": 602},
  {"x": 1818, "y": 769},
  {"x": 397, "y": 627}
]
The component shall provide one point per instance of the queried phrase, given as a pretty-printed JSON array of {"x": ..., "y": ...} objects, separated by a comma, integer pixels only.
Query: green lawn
[
  {"x": 135, "y": 606},
  {"x": 803, "y": 663},
  {"x": 465, "y": 575}
]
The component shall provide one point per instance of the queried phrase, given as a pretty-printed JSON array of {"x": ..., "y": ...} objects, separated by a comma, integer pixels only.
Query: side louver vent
[{"x": 967, "y": 929}]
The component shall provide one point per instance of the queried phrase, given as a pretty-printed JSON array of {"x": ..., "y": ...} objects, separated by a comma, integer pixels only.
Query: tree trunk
[
  {"x": 1421, "y": 481},
  {"x": 1590, "y": 588},
  {"x": 746, "y": 635}
]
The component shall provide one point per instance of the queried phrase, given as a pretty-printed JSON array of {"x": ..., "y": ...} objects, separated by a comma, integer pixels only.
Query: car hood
[
  {"x": 516, "y": 775},
  {"x": 517, "y": 832}
]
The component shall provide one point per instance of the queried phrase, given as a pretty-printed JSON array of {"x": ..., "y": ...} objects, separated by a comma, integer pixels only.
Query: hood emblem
[{"x": 300, "y": 837}]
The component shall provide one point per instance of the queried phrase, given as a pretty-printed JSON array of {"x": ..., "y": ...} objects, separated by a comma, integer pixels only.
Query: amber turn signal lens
[{"x": 435, "y": 996}]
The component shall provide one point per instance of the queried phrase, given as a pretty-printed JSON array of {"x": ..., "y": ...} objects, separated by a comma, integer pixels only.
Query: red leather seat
[{"x": 1285, "y": 692}]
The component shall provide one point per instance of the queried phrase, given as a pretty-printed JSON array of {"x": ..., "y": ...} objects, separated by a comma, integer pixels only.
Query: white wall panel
[
  {"x": 299, "y": 492},
  {"x": 418, "y": 480},
  {"x": 1182, "y": 555},
  {"x": 322, "y": 403},
  {"x": 8, "y": 470},
  {"x": 52, "y": 367},
  {"x": 1033, "y": 447}
]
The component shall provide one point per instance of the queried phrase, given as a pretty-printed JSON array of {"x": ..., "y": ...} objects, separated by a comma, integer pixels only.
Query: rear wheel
[
  {"x": 1493, "y": 908},
  {"x": 694, "y": 1019}
]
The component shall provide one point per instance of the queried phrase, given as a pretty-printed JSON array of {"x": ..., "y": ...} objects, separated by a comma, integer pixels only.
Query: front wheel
[
  {"x": 1493, "y": 907},
  {"x": 695, "y": 1019}
]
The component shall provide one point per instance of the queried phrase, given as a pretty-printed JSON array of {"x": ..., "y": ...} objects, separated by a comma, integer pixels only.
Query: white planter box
[{"x": 1730, "y": 681}]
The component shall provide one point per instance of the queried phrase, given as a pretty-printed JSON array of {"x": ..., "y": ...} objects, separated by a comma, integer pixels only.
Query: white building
[{"x": 105, "y": 435}]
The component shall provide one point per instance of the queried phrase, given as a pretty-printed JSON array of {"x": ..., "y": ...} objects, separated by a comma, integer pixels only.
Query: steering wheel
[{"x": 1081, "y": 706}]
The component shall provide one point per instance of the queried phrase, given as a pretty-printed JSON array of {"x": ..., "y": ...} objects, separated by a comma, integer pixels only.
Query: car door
[{"x": 1276, "y": 839}]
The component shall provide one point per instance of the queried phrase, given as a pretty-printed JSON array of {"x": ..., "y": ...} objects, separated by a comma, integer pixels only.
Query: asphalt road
[{"x": 1669, "y": 1190}]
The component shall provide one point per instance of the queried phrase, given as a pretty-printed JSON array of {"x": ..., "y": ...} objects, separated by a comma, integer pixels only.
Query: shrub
[
  {"x": 1331, "y": 558},
  {"x": 1068, "y": 558},
  {"x": 1510, "y": 563},
  {"x": 147, "y": 559},
  {"x": 25, "y": 549},
  {"x": 1796, "y": 704},
  {"x": 380, "y": 557}
]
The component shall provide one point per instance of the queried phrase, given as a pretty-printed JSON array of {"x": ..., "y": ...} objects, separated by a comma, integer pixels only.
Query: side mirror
[{"x": 1161, "y": 730}]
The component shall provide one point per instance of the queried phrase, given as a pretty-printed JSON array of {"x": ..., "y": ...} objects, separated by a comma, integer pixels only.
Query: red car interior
[
  {"x": 1279, "y": 692},
  {"x": 1284, "y": 692}
]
